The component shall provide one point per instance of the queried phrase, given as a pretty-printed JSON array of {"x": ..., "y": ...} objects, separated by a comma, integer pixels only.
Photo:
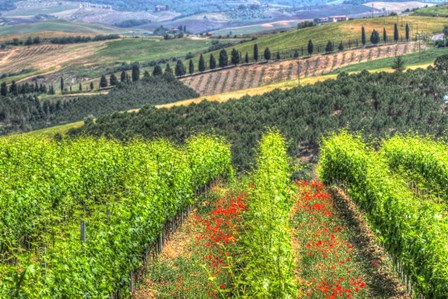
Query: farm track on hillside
[{"x": 251, "y": 76}]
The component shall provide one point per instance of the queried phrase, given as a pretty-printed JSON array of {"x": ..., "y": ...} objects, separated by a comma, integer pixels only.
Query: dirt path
[
  {"x": 365, "y": 241},
  {"x": 177, "y": 246}
]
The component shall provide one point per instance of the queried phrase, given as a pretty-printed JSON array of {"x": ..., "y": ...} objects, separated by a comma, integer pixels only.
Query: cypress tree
[
  {"x": 80, "y": 87},
  {"x": 408, "y": 32},
  {"x": 62, "y": 84},
  {"x": 310, "y": 47},
  {"x": 212, "y": 62},
  {"x": 363, "y": 36},
  {"x": 29, "y": 41},
  {"x": 267, "y": 54},
  {"x": 191, "y": 67},
  {"x": 223, "y": 58},
  {"x": 278, "y": 56},
  {"x": 135, "y": 72},
  {"x": 384, "y": 35},
  {"x": 396, "y": 34},
  {"x": 256, "y": 52},
  {"x": 296, "y": 54},
  {"x": 246, "y": 58},
  {"x": 157, "y": 71},
  {"x": 168, "y": 69},
  {"x": 113, "y": 80},
  {"x": 375, "y": 37},
  {"x": 123, "y": 76},
  {"x": 92, "y": 85},
  {"x": 4, "y": 89},
  {"x": 179, "y": 69},
  {"x": 103, "y": 81},
  {"x": 201, "y": 65},
  {"x": 51, "y": 89},
  {"x": 146, "y": 75},
  {"x": 329, "y": 48},
  {"x": 341, "y": 47},
  {"x": 13, "y": 89},
  {"x": 235, "y": 56}
]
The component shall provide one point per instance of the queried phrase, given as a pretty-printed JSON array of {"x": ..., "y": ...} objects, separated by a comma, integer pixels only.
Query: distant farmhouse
[
  {"x": 333, "y": 19},
  {"x": 160, "y": 8}
]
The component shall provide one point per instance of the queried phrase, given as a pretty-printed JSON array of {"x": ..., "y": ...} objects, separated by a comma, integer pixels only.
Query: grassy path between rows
[{"x": 337, "y": 255}]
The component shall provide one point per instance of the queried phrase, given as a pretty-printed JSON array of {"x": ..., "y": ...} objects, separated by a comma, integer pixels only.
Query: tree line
[
  {"x": 234, "y": 57},
  {"x": 15, "y": 89},
  {"x": 27, "y": 112},
  {"x": 375, "y": 37},
  {"x": 377, "y": 104},
  {"x": 59, "y": 40}
]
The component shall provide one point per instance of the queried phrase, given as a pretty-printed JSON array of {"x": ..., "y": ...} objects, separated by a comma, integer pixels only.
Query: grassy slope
[
  {"x": 50, "y": 132},
  {"x": 435, "y": 11},
  {"x": 58, "y": 25},
  {"x": 147, "y": 49},
  {"x": 337, "y": 32},
  {"x": 411, "y": 60},
  {"x": 125, "y": 50}
]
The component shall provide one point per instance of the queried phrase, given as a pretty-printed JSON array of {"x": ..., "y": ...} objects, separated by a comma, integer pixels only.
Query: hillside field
[
  {"x": 440, "y": 10},
  {"x": 91, "y": 60},
  {"x": 57, "y": 25},
  {"x": 252, "y": 76},
  {"x": 340, "y": 32}
]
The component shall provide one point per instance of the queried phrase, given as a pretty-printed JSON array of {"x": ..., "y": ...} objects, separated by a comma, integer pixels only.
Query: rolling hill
[{"x": 344, "y": 32}]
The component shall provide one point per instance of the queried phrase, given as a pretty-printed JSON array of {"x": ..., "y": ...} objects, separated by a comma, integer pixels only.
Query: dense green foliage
[
  {"x": 379, "y": 104},
  {"x": 123, "y": 193},
  {"x": 59, "y": 40},
  {"x": 27, "y": 112},
  {"x": 422, "y": 159},
  {"x": 414, "y": 231},
  {"x": 267, "y": 251}
]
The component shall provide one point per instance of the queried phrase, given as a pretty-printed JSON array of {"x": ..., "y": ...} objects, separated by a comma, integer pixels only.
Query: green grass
[
  {"x": 142, "y": 50},
  {"x": 52, "y": 131},
  {"x": 435, "y": 11},
  {"x": 57, "y": 25},
  {"x": 147, "y": 49},
  {"x": 427, "y": 57},
  {"x": 337, "y": 32}
]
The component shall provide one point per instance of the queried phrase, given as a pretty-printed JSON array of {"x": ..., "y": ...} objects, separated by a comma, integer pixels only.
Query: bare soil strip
[
  {"x": 242, "y": 79},
  {"x": 367, "y": 244},
  {"x": 256, "y": 78}
]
